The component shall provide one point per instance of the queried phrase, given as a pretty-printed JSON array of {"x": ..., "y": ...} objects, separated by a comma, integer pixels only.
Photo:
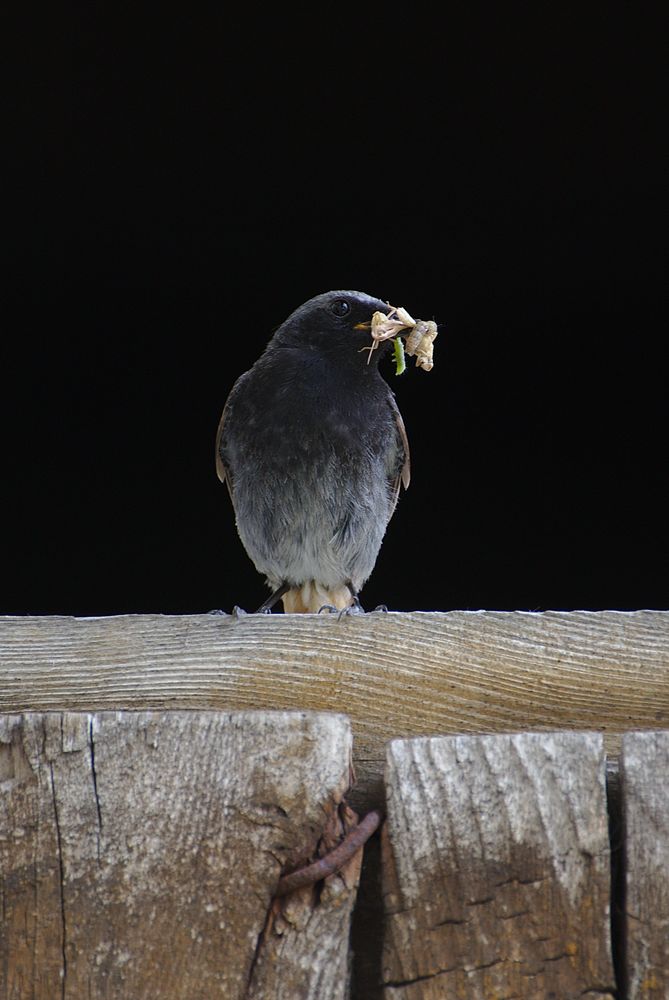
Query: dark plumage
[{"x": 313, "y": 450}]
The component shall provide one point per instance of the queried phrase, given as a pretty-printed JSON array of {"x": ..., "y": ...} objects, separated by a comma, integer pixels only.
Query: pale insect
[{"x": 419, "y": 341}]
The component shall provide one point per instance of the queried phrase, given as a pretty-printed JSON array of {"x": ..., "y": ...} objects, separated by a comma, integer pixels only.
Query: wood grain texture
[
  {"x": 139, "y": 853},
  {"x": 644, "y": 770},
  {"x": 393, "y": 674},
  {"x": 496, "y": 868}
]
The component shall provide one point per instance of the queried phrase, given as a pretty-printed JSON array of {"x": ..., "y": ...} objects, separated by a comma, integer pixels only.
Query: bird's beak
[
  {"x": 388, "y": 335},
  {"x": 368, "y": 325}
]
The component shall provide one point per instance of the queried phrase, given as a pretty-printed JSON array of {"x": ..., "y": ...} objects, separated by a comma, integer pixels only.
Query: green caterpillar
[{"x": 398, "y": 354}]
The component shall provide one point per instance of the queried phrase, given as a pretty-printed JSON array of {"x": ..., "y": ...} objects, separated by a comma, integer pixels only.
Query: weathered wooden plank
[
  {"x": 644, "y": 772},
  {"x": 393, "y": 674},
  {"x": 139, "y": 854},
  {"x": 496, "y": 868}
]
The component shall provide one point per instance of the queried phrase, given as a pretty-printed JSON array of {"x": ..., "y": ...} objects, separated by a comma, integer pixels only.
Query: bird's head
[{"x": 335, "y": 323}]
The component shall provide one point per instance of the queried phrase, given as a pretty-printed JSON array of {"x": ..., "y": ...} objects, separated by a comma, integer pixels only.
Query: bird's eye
[{"x": 340, "y": 307}]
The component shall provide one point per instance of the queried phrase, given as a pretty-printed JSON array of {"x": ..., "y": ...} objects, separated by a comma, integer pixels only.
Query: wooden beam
[
  {"x": 395, "y": 675},
  {"x": 140, "y": 852},
  {"x": 496, "y": 868},
  {"x": 644, "y": 775}
]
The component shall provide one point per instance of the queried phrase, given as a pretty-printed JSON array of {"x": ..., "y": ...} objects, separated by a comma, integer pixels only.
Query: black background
[{"x": 184, "y": 182}]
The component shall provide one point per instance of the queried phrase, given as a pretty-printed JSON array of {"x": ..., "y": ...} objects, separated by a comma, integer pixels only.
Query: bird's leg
[
  {"x": 266, "y": 607},
  {"x": 356, "y": 607}
]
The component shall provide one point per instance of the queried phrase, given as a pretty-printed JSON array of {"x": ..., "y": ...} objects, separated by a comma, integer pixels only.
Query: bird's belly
[{"x": 314, "y": 519}]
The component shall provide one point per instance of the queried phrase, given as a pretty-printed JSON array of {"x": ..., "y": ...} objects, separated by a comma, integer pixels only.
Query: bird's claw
[{"x": 355, "y": 608}]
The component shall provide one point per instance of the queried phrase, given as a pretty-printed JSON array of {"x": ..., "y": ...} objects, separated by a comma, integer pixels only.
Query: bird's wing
[
  {"x": 222, "y": 471},
  {"x": 403, "y": 477}
]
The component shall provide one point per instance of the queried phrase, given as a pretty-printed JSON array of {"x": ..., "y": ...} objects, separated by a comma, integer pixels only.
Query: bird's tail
[{"x": 311, "y": 597}]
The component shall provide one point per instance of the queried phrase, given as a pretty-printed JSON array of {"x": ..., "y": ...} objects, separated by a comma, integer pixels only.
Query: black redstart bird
[{"x": 313, "y": 450}]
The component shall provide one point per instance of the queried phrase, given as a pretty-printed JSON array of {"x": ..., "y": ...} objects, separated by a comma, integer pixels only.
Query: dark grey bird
[{"x": 313, "y": 450}]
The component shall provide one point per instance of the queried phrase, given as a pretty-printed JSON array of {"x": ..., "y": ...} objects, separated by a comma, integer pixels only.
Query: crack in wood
[
  {"x": 257, "y": 951},
  {"x": 617, "y": 889},
  {"x": 513, "y": 916},
  {"x": 91, "y": 740},
  {"x": 399, "y": 984},
  {"x": 61, "y": 867}
]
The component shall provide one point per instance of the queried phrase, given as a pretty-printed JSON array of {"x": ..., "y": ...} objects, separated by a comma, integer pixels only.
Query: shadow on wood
[{"x": 496, "y": 868}]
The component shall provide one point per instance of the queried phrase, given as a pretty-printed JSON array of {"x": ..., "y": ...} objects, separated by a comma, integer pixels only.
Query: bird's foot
[
  {"x": 355, "y": 608},
  {"x": 236, "y": 612}
]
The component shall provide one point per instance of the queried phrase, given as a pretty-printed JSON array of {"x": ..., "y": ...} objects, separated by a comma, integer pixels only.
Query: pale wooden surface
[
  {"x": 496, "y": 868},
  {"x": 645, "y": 798},
  {"x": 393, "y": 674},
  {"x": 139, "y": 854}
]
